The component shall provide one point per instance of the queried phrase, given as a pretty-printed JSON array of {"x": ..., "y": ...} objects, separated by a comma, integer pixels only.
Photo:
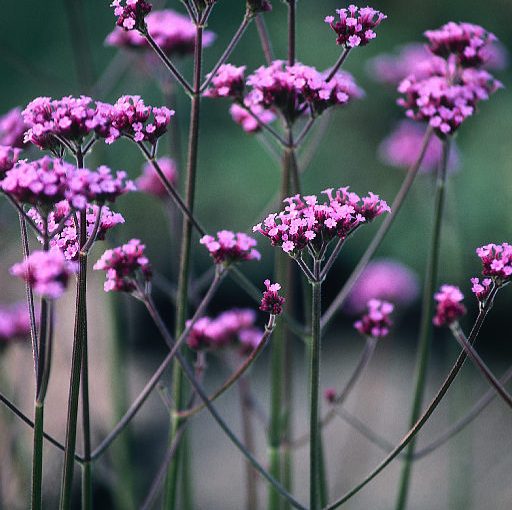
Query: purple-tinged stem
[
  {"x": 338, "y": 64},
  {"x": 266, "y": 44}
]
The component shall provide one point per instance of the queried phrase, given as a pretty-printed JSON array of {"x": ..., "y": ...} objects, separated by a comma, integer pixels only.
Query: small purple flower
[
  {"x": 386, "y": 280},
  {"x": 229, "y": 247},
  {"x": 47, "y": 272},
  {"x": 127, "y": 268},
  {"x": 14, "y": 322},
  {"x": 131, "y": 13},
  {"x": 272, "y": 302},
  {"x": 449, "y": 305},
  {"x": 402, "y": 148},
  {"x": 12, "y": 128},
  {"x": 376, "y": 322},
  {"x": 150, "y": 183},
  {"x": 8, "y": 157},
  {"x": 496, "y": 261},
  {"x": 355, "y": 26},
  {"x": 172, "y": 31},
  {"x": 249, "y": 124},
  {"x": 330, "y": 395},
  {"x": 227, "y": 82},
  {"x": 481, "y": 290}
]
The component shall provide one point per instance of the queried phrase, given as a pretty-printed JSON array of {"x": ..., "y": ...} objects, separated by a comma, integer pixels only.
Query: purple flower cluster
[
  {"x": 127, "y": 267},
  {"x": 131, "y": 13},
  {"x": 14, "y": 322},
  {"x": 172, "y": 31},
  {"x": 481, "y": 289},
  {"x": 355, "y": 26},
  {"x": 129, "y": 116},
  {"x": 12, "y": 128},
  {"x": 272, "y": 302},
  {"x": 496, "y": 268},
  {"x": 387, "y": 280},
  {"x": 449, "y": 305},
  {"x": 228, "y": 81},
  {"x": 8, "y": 157},
  {"x": 249, "y": 124},
  {"x": 233, "y": 327},
  {"x": 47, "y": 272},
  {"x": 229, "y": 247},
  {"x": 401, "y": 149},
  {"x": 68, "y": 239},
  {"x": 150, "y": 183},
  {"x": 307, "y": 223},
  {"x": 376, "y": 322}
]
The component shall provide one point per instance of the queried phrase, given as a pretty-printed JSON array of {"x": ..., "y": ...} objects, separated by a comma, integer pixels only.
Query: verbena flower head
[
  {"x": 307, "y": 223},
  {"x": 12, "y": 128},
  {"x": 249, "y": 124},
  {"x": 296, "y": 89},
  {"x": 8, "y": 157},
  {"x": 47, "y": 272},
  {"x": 172, "y": 31},
  {"x": 150, "y": 183},
  {"x": 469, "y": 43},
  {"x": 68, "y": 239},
  {"x": 376, "y": 322},
  {"x": 384, "y": 279},
  {"x": 481, "y": 289},
  {"x": 496, "y": 262},
  {"x": 272, "y": 302},
  {"x": 129, "y": 116},
  {"x": 227, "y": 82},
  {"x": 449, "y": 305},
  {"x": 127, "y": 268},
  {"x": 402, "y": 148},
  {"x": 71, "y": 118},
  {"x": 229, "y": 247},
  {"x": 355, "y": 26},
  {"x": 131, "y": 13},
  {"x": 14, "y": 322}
]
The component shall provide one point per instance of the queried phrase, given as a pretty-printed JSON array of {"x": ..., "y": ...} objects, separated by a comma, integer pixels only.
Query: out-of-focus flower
[
  {"x": 249, "y": 124},
  {"x": 305, "y": 222},
  {"x": 12, "y": 128},
  {"x": 449, "y": 305},
  {"x": 402, "y": 148},
  {"x": 131, "y": 13},
  {"x": 127, "y": 268},
  {"x": 376, "y": 322},
  {"x": 387, "y": 280},
  {"x": 150, "y": 183},
  {"x": 8, "y": 157},
  {"x": 355, "y": 26},
  {"x": 228, "y": 81},
  {"x": 229, "y": 247},
  {"x": 330, "y": 395},
  {"x": 47, "y": 272},
  {"x": 272, "y": 302},
  {"x": 172, "y": 31},
  {"x": 14, "y": 322}
]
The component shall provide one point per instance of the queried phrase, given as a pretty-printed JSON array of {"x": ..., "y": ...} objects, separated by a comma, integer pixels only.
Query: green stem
[
  {"x": 37, "y": 461},
  {"x": 87, "y": 502},
  {"x": 426, "y": 323}
]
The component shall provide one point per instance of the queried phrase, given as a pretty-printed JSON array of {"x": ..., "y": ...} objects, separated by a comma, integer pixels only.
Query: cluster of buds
[
  {"x": 449, "y": 306},
  {"x": 272, "y": 302},
  {"x": 355, "y": 26},
  {"x": 127, "y": 268},
  {"x": 376, "y": 322},
  {"x": 231, "y": 328},
  {"x": 229, "y": 247},
  {"x": 228, "y": 81},
  {"x": 131, "y": 13},
  {"x": 305, "y": 223}
]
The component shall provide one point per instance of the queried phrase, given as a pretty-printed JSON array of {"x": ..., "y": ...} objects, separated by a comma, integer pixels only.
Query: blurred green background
[{"x": 237, "y": 177}]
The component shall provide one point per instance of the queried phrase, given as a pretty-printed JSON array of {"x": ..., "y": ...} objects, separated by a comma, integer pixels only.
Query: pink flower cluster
[
  {"x": 14, "y": 322},
  {"x": 172, "y": 31},
  {"x": 299, "y": 88},
  {"x": 449, "y": 305},
  {"x": 376, "y": 322},
  {"x": 68, "y": 239},
  {"x": 12, "y": 128},
  {"x": 402, "y": 147},
  {"x": 233, "y": 327},
  {"x": 249, "y": 124},
  {"x": 47, "y": 272},
  {"x": 229, "y": 247},
  {"x": 272, "y": 302},
  {"x": 129, "y": 116},
  {"x": 496, "y": 261},
  {"x": 307, "y": 223},
  {"x": 131, "y": 13},
  {"x": 468, "y": 42},
  {"x": 228, "y": 81},
  {"x": 150, "y": 183},
  {"x": 481, "y": 290},
  {"x": 127, "y": 267},
  {"x": 8, "y": 157},
  {"x": 355, "y": 26},
  {"x": 384, "y": 279}
]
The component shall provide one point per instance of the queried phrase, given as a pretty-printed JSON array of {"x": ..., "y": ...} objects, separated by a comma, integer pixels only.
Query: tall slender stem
[
  {"x": 37, "y": 460},
  {"x": 426, "y": 322},
  {"x": 338, "y": 64},
  {"x": 292, "y": 11},
  {"x": 266, "y": 44}
]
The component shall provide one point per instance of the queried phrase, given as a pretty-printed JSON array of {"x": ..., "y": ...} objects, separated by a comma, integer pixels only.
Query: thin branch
[
  {"x": 263, "y": 34},
  {"x": 263, "y": 125},
  {"x": 338, "y": 64},
  {"x": 92, "y": 238}
]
